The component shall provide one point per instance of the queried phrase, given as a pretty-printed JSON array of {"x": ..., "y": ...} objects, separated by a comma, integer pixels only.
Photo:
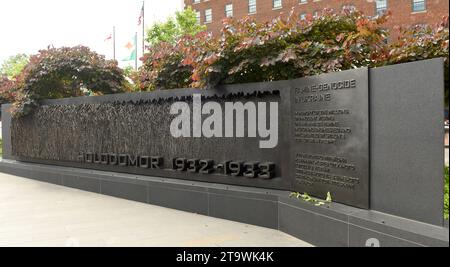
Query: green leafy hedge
[{"x": 249, "y": 51}]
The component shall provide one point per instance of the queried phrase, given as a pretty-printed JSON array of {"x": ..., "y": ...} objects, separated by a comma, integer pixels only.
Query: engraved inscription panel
[{"x": 330, "y": 136}]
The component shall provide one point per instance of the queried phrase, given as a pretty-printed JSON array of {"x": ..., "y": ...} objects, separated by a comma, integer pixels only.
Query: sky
[{"x": 29, "y": 25}]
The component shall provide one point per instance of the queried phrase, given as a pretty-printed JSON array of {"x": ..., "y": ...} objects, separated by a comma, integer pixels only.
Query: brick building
[{"x": 404, "y": 12}]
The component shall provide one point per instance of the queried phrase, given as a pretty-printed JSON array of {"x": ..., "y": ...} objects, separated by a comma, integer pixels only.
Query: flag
[
  {"x": 131, "y": 57},
  {"x": 108, "y": 38},
  {"x": 129, "y": 46},
  {"x": 141, "y": 16},
  {"x": 132, "y": 47}
]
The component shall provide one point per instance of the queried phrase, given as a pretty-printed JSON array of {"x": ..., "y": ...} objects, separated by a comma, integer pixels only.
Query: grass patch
[{"x": 1, "y": 147}]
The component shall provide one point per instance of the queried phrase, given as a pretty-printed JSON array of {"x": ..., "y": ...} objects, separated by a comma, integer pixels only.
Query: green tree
[
  {"x": 14, "y": 65},
  {"x": 184, "y": 23}
]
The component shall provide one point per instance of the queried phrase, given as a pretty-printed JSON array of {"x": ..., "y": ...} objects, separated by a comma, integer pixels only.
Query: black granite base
[{"x": 334, "y": 225}]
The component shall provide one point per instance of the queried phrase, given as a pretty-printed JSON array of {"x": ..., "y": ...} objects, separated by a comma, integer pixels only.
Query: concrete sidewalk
[{"x": 33, "y": 213}]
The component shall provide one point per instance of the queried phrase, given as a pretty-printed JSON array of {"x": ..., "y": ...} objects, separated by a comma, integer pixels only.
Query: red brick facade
[{"x": 402, "y": 10}]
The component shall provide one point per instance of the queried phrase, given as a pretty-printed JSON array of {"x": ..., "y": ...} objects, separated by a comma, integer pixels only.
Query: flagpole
[
  {"x": 135, "y": 51},
  {"x": 143, "y": 28},
  {"x": 114, "y": 42}
]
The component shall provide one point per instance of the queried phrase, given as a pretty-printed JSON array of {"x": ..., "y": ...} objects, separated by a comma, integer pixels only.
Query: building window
[
  {"x": 418, "y": 5},
  {"x": 208, "y": 15},
  {"x": 381, "y": 6},
  {"x": 229, "y": 10},
  {"x": 303, "y": 16},
  {"x": 302, "y": 1},
  {"x": 277, "y": 3},
  {"x": 316, "y": 14},
  {"x": 251, "y": 6},
  {"x": 196, "y": 1},
  {"x": 198, "y": 16}
]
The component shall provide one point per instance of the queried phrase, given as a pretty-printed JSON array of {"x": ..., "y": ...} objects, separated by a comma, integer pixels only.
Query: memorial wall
[
  {"x": 236, "y": 152},
  {"x": 307, "y": 135}
]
